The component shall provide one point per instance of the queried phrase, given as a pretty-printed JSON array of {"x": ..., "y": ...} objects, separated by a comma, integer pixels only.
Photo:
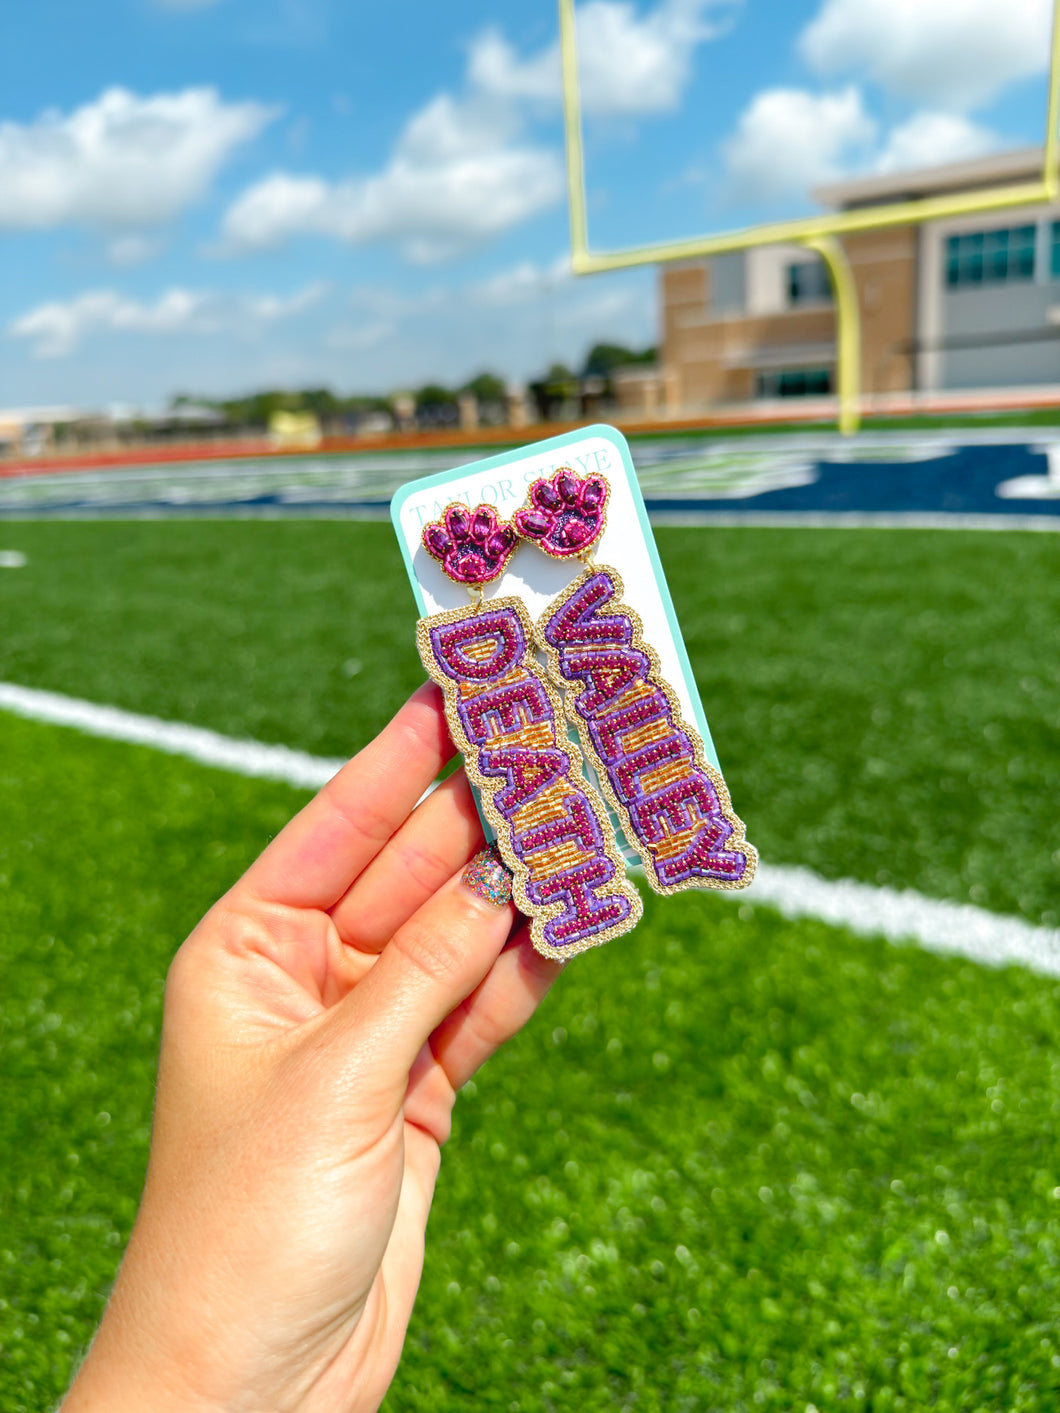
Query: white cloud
[
  {"x": 461, "y": 172},
  {"x": 456, "y": 178},
  {"x": 788, "y": 141},
  {"x": 945, "y": 53},
  {"x": 56, "y": 329},
  {"x": 629, "y": 63},
  {"x": 124, "y": 251},
  {"x": 270, "y": 307},
  {"x": 931, "y": 139},
  {"x": 121, "y": 162},
  {"x": 515, "y": 322},
  {"x": 372, "y": 338},
  {"x": 522, "y": 282}
]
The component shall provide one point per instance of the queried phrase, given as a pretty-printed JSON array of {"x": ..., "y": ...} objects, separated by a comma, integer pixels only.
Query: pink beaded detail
[
  {"x": 472, "y": 546},
  {"x": 673, "y": 804},
  {"x": 565, "y": 516},
  {"x": 552, "y": 830}
]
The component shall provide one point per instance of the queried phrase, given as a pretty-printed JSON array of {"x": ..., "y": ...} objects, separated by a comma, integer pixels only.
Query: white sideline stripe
[
  {"x": 953, "y": 929},
  {"x": 174, "y": 737}
]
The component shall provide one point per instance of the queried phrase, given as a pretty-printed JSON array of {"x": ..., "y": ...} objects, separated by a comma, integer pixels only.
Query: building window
[
  {"x": 808, "y": 283},
  {"x": 795, "y": 382},
  {"x": 991, "y": 257},
  {"x": 1054, "y": 265}
]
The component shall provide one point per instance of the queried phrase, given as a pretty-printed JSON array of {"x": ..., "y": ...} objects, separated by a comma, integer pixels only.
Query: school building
[{"x": 948, "y": 308}]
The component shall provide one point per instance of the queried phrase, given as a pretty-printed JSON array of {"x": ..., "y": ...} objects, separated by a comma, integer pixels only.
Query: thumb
[{"x": 432, "y": 963}]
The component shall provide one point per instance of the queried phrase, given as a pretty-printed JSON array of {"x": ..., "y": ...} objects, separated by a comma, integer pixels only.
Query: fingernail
[{"x": 488, "y": 877}]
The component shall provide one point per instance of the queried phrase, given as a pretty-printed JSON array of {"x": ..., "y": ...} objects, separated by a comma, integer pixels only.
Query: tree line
[{"x": 433, "y": 403}]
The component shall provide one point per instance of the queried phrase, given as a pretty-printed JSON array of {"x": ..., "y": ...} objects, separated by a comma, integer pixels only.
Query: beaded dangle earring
[
  {"x": 673, "y": 805},
  {"x": 552, "y": 832}
]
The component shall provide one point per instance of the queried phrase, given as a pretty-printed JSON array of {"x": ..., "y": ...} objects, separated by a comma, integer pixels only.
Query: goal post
[{"x": 819, "y": 233}]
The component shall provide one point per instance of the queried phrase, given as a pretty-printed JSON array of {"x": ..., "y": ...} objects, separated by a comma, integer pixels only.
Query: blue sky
[{"x": 216, "y": 195}]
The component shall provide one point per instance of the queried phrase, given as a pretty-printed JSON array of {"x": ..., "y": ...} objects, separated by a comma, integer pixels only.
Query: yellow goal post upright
[{"x": 816, "y": 233}]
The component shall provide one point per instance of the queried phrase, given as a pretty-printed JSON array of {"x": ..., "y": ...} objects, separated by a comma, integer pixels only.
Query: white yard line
[
  {"x": 955, "y": 929},
  {"x": 174, "y": 737}
]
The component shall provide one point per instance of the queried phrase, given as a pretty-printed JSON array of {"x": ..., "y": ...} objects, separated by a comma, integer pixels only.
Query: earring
[
  {"x": 506, "y": 719},
  {"x": 673, "y": 805}
]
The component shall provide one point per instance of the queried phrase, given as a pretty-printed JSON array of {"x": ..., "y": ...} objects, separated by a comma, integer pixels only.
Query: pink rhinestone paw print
[
  {"x": 566, "y": 513},
  {"x": 471, "y": 546}
]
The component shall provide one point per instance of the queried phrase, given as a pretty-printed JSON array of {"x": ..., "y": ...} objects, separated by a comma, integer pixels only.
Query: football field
[{"x": 738, "y": 1161}]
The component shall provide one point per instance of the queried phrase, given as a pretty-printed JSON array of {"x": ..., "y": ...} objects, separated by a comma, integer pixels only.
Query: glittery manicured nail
[{"x": 488, "y": 876}]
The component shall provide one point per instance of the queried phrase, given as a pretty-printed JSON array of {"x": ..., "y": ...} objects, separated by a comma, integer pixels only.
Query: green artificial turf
[
  {"x": 748, "y": 1164},
  {"x": 295, "y": 632},
  {"x": 885, "y": 703},
  {"x": 108, "y": 856},
  {"x": 931, "y": 422},
  {"x": 735, "y": 1163}
]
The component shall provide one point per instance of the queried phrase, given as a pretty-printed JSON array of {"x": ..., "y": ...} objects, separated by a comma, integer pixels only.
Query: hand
[{"x": 317, "y": 1025}]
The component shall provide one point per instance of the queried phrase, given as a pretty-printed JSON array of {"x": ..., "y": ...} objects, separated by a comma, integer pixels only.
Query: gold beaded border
[
  {"x": 488, "y": 786},
  {"x": 737, "y": 842}
]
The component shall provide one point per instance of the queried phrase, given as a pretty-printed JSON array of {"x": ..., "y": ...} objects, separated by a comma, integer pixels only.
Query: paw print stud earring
[
  {"x": 565, "y": 516},
  {"x": 552, "y": 831},
  {"x": 472, "y": 546}
]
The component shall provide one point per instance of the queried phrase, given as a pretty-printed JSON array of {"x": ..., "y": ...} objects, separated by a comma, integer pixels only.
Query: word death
[{"x": 509, "y": 724}]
